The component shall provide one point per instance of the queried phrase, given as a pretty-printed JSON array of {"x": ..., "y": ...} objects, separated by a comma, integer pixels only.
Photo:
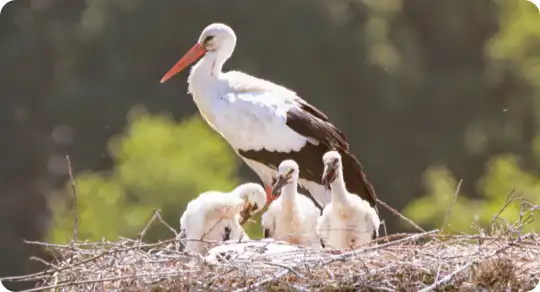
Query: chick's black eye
[
  {"x": 255, "y": 206},
  {"x": 208, "y": 38}
]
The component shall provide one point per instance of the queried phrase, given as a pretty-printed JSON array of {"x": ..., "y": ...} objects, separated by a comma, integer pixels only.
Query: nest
[{"x": 503, "y": 260}]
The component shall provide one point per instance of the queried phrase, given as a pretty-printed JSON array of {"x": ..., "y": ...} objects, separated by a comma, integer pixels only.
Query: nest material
[
  {"x": 407, "y": 262},
  {"x": 504, "y": 260}
]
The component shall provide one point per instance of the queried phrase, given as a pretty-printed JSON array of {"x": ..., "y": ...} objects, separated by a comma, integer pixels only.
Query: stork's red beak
[{"x": 191, "y": 56}]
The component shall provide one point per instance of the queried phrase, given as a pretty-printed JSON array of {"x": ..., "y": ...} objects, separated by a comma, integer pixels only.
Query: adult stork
[{"x": 265, "y": 123}]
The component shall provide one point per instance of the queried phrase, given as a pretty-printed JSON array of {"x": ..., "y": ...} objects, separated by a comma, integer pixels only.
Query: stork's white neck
[
  {"x": 338, "y": 189},
  {"x": 204, "y": 72},
  {"x": 209, "y": 68},
  {"x": 289, "y": 193},
  {"x": 204, "y": 85}
]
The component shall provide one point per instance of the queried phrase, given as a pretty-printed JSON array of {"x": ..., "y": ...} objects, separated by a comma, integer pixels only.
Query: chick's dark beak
[
  {"x": 328, "y": 177},
  {"x": 281, "y": 181}
]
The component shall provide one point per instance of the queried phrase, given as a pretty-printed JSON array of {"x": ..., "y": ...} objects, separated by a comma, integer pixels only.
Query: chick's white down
[
  {"x": 347, "y": 221},
  {"x": 292, "y": 217},
  {"x": 214, "y": 216}
]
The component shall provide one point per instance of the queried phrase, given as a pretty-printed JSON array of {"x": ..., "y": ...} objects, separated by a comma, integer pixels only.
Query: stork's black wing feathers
[
  {"x": 318, "y": 127},
  {"x": 311, "y": 123}
]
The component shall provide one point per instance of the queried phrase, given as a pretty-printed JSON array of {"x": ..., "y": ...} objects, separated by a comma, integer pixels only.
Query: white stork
[
  {"x": 214, "y": 216},
  {"x": 265, "y": 123},
  {"x": 291, "y": 217},
  {"x": 347, "y": 221}
]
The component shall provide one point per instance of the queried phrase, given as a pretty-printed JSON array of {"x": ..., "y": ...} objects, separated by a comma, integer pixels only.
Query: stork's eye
[
  {"x": 255, "y": 206},
  {"x": 208, "y": 38}
]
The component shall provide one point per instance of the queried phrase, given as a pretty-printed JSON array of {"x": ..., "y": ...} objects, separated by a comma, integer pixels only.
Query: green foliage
[
  {"x": 158, "y": 164},
  {"x": 504, "y": 176},
  {"x": 517, "y": 41}
]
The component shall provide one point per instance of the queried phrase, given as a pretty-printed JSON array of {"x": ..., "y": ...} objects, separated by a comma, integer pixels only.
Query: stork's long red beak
[{"x": 191, "y": 56}]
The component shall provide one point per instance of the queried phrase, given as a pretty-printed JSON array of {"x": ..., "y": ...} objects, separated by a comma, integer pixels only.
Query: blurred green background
[{"x": 428, "y": 93}]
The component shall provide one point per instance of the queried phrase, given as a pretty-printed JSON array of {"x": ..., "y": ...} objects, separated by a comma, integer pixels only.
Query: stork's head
[
  {"x": 332, "y": 168},
  {"x": 254, "y": 197},
  {"x": 288, "y": 171},
  {"x": 217, "y": 39},
  {"x": 217, "y": 36}
]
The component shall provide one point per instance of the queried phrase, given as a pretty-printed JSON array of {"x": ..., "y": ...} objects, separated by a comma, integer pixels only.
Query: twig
[
  {"x": 165, "y": 223},
  {"x": 447, "y": 216},
  {"x": 509, "y": 199},
  {"x": 395, "y": 212},
  {"x": 143, "y": 232},
  {"x": 75, "y": 203},
  {"x": 285, "y": 267},
  {"x": 521, "y": 213}
]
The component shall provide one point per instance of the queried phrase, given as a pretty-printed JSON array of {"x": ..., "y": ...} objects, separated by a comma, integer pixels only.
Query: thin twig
[
  {"x": 143, "y": 232},
  {"x": 509, "y": 199},
  {"x": 521, "y": 213},
  {"x": 395, "y": 212},
  {"x": 447, "y": 216},
  {"x": 166, "y": 224},
  {"x": 75, "y": 203}
]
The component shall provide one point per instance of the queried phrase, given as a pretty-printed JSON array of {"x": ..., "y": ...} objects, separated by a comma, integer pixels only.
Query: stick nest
[{"x": 504, "y": 260}]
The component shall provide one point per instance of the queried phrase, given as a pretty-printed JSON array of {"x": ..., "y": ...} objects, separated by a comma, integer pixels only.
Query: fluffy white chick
[
  {"x": 217, "y": 216},
  {"x": 347, "y": 221},
  {"x": 293, "y": 216}
]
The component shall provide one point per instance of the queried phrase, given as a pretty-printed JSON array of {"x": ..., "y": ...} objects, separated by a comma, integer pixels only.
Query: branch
[
  {"x": 75, "y": 203},
  {"x": 445, "y": 221},
  {"x": 395, "y": 212}
]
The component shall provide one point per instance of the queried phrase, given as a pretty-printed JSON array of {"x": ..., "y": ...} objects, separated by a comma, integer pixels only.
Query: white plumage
[
  {"x": 347, "y": 221},
  {"x": 248, "y": 112},
  {"x": 214, "y": 216},
  {"x": 252, "y": 114},
  {"x": 292, "y": 217}
]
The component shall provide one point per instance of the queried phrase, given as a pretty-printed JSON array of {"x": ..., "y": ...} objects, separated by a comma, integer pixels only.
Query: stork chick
[
  {"x": 217, "y": 216},
  {"x": 347, "y": 221},
  {"x": 292, "y": 217}
]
